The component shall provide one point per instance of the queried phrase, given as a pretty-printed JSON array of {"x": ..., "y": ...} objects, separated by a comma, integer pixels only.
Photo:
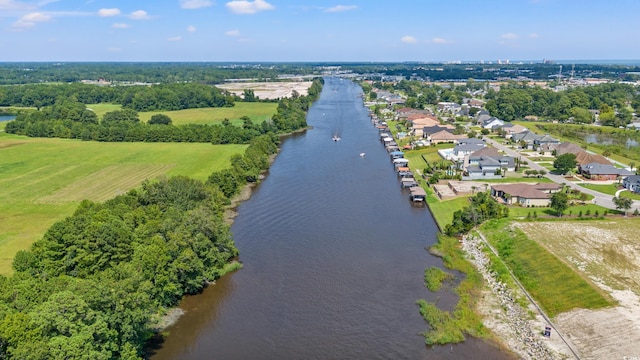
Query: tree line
[
  {"x": 70, "y": 119},
  {"x": 123, "y": 73},
  {"x": 138, "y": 97},
  {"x": 96, "y": 284}
]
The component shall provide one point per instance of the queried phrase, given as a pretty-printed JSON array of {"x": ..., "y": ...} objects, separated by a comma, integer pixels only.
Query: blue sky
[{"x": 321, "y": 30}]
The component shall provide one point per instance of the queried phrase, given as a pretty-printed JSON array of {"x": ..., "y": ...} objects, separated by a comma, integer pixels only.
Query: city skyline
[{"x": 294, "y": 31}]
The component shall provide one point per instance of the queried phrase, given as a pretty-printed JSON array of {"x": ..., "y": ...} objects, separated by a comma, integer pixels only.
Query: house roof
[
  {"x": 584, "y": 158},
  {"x": 548, "y": 186},
  {"x": 546, "y": 139},
  {"x": 525, "y": 191},
  {"x": 425, "y": 121},
  {"x": 632, "y": 179},
  {"x": 604, "y": 169},
  {"x": 469, "y": 141},
  {"x": 467, "y": 147},
  {"x": 567, "y": 147},
  {"x": 485, "y": 151},
  {"x": 490, "y": 120},
  {"x": 526, "y": 136},
  {"x": 513, "y": 128},
  {"x": 446, "y": 135}
]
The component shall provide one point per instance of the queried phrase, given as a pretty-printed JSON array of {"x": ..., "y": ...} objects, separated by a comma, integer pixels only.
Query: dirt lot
[
  {"x": 608, "y": 253},
  {"x": 268, "y": 90}
]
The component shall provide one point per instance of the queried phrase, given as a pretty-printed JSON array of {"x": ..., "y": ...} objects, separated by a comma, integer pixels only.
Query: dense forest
[
  {"x": 139, "y": 98},
  {"x": 97, "y": 283}
]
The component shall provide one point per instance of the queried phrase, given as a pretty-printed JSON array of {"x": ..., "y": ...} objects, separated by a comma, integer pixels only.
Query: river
[{"x": 333, "y": 253}]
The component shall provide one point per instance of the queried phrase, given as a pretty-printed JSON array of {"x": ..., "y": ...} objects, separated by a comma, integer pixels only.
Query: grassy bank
[
  {"x": 553, "y": 284},
  {"x": 43, "y": 180},
  {"x": 450, "y": 327}
]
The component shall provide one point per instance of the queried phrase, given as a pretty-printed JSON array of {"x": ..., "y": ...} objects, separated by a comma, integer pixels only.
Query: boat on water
[
  {"x": 362, "y": 154},
  {"x": 335, "y": 138}
]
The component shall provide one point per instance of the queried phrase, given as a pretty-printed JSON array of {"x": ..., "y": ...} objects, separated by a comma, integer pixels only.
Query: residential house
[
  {"x": 418, "y": 124},
  {"x": 482, "y": 116},
  {"x": 543, "y": 140},
  {"x": 585, "y": 158},
  {"x": 600, "y": 172},
  {"x": 475, "y": 103},
  {"x": 511, "y": 129},
  {"x": 526, "y": 138},
  {"x": 444, "y": 136},
  {"x": 567, "y": 148},
  {"x": 632, "y": 183},
  {"x": 492, "y": 123},
  {"x": 487, "y": 163},
  {"x": 525, "y": 194},
  {"x": 465, "y": 149},
  {"x": 546, "y": 149},
  {"x": 449, "y": 107}
]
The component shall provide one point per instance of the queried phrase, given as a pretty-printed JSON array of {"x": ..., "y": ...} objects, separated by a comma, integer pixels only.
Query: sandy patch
[
  {"x": 268, "y": 90},
  {"x": 608, "y": 253}
]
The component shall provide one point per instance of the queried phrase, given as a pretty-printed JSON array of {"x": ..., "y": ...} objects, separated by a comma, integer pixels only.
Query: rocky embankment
[{"x": 515, "y": 329}]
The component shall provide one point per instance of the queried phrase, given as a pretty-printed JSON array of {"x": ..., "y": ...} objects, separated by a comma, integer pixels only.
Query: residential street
[{"x": 601, "y": 199}]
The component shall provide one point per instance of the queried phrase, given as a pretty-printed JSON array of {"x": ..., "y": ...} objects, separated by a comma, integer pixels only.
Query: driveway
[{"x": 604, "y": 200}]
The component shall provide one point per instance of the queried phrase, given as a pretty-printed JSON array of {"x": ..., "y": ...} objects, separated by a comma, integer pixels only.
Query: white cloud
[
  {"x": 340, "y": 8},
  {"x": 408, "y": 39},
  {"x": 175, "y": 38},
  {"x": 10, "y": 5},
  {"x": 440, "y": 41},
  {"x": 509, "y": 36},
  {"x": 191, "y": 28},
  {"x": 139, "y": 15},
  {"x": 534, "y": 35},
  {"x": 30, "y": 20},
  {"x": 194, "y": 4},
  {"x": 109, "y": 12},
  {"x": 120, "y": 26},
  {"x": 248, "y": 7},
  {"x": 232, "y": 33}
]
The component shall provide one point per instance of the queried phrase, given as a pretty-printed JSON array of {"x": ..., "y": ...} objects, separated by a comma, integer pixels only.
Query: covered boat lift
[{"x": 418, "y": 194}]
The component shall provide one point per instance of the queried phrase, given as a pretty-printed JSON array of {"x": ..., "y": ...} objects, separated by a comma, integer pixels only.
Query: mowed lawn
[
  {"x": 43, "y": 180},
  {"x": 257, "y": 112}
]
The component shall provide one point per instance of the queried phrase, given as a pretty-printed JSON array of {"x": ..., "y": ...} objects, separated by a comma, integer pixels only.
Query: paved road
[{"x": 604, "y": 200}]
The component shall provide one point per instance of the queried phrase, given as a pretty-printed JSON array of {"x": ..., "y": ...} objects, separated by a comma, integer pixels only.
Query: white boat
[
  {"x": 335, "y": 138},
  {"x": 362, "y": 154}
]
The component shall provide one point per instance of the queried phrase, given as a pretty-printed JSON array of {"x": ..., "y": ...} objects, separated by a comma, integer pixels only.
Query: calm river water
[{"x": 333, "y": 253}]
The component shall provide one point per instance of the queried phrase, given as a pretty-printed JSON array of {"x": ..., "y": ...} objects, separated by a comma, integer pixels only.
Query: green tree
[
  {"x": 160, "y": 119},
  {"x": 565, "y": 163},
  {"x": 622, "y": 203},
  {"x": 559, "y": 202},
  {"x": 121, "y": 115}
]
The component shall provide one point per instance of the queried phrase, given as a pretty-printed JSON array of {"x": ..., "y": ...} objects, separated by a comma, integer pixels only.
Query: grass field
[
  {"x": 611, "y": 190},
  {"x": 256, "y": 111},
  {"x": 43, "y": 180},
  {"x": 554, "y": 285}
]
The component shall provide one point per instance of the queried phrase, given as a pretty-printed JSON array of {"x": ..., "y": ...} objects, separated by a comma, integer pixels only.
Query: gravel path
[{"x": 521, "y": 338}]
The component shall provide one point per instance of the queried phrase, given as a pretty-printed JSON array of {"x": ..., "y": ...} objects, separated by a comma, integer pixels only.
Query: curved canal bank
[{"x": 333, "y": 254}]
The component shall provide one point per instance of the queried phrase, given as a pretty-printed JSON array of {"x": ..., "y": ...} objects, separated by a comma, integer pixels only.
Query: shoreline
[{"x": 173, "y": 314}]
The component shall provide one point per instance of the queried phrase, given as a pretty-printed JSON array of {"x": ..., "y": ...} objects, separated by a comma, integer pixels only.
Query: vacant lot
[
  {"x": 43, "y": 180},
  {"x": 608, "y": 253},
  {"x": 268, "y": 90}
]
